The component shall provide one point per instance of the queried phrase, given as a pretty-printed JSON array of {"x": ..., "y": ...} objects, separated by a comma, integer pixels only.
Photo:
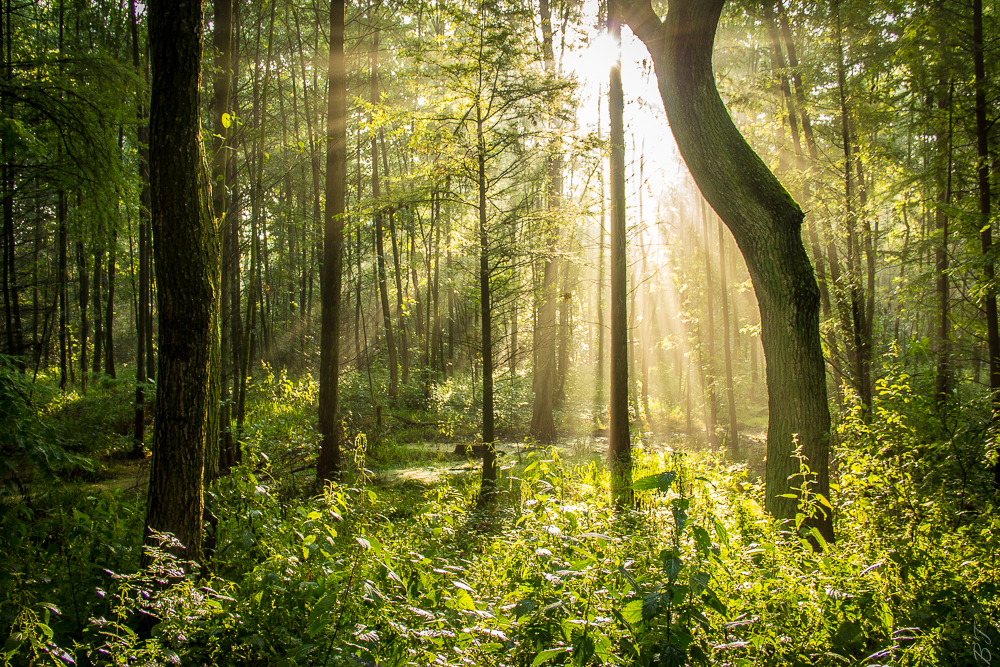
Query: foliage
[
  {"x": 28, "y": 444},
  {"x": 406, "y": 574}
]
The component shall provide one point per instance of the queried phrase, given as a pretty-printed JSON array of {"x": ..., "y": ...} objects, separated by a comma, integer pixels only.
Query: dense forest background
[{"x": 443, "y": 235}]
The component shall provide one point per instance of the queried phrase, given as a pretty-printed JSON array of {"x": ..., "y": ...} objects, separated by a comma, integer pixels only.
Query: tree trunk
[
  {"x": 83, "y": 296},
  {"x": 109, "y": 310},
  {"x": 142, "y": 307},
  {"x": 187, "y": 258},
  {"x": 601, "y": 254},
  {"x": 986, "y": 233},
  {"x": 708, "y": 371},
  {"x": 733, "y": 437},
  {"x": 544, "y": 381},
  {"x": 766, "y": 223},
  {"x": 619, "y": 440},
  {"x": 328, "y": 467},
  {"x": 402, "y": 348},
  {"x": 222, "y": 39},
  {"x": 491, "y": 471},
  {"x": 859, "y": 316},
  {"x": 944, "y": 146},
  {"x": 95, "y": 366},
  {"x": 62, "y": 214}
]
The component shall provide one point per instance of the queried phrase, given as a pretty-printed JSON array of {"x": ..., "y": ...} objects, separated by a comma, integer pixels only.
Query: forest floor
[{"x": 400, "y": 565}]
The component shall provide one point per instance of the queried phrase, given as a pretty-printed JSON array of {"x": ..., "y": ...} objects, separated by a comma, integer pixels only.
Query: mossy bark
[{"x": 187, "y": 258}]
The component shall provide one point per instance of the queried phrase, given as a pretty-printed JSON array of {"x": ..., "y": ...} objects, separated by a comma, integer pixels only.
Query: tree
[
  {"x": 543, "y": 427},
  {"x": 328, "y": 466},
  {"x": 766, "y": 223},
  {"x": 187, "y": 258},
  {"x": 619, "y": 440}
]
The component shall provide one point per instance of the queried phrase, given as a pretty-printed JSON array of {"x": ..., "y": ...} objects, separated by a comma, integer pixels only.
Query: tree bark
[
  {"x": 187, "y": 257},
  {"x": 62, "y": 214},
  {"x": 491, "y": 470},
  {"x": 544, "y": 382},
  {"x": 222, "y": 39},
  {"x": 109, "y": 309},
  {"x": 944, "y": 146},
  {"x": 383, "y": 288},
  {"x": 601, "y": 254},
  {"x": 708, "y": 371},
  {"x": 329, "y": 465},
  {"x": 619, "y": 440},
  {"x": 733, "y": 438},
  {"x": 986, "y": 233},
  {"x": 98, "y": 324},
  {"x": 142, "y": 307},
  {"x": 83, "y": 297},
  {"x": 766, "y": 223}
]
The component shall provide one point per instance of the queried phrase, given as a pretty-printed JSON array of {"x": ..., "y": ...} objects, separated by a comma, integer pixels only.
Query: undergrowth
[{"x": 367, "y": 573}]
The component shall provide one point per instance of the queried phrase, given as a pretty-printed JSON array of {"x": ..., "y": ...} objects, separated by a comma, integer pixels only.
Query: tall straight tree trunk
[
  {"x": 862, "y": 341},
  {"x": 83, "y": 295},
  {"x": 619, "y": 441},
  {"x": 403, "y": 350},
  {"x": 733, "y": 438},
  {"x": 491, "y": 470},
  {"x": 109, "y": 309},
  {"x": 187, "y": 259},
  {"x": 601, "y": 254},
  {"x": 12, "y": 299},
  {"x": 328, "y": 466},
  {"x": 708, "y": 372},
  {"x": 986, "y": 233},
  {"x": 142, "y": 307},
  {"x": 98, "y": 324},
  {"x": 544, "y": 381},
  {"x": 62, "y": 214},
  {"x": 766, "y": 223},
  {"x": 944, "y": 146},
  {"x": 222, "y": 39},
  {"x": 383, "y": 288}
]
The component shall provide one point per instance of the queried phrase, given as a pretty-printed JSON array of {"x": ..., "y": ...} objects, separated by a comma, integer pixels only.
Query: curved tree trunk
[{"x": 766, "y": 223}]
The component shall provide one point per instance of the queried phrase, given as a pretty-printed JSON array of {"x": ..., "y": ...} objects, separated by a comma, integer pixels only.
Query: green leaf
[
  {"x": 629, "y": 578},
  {"x": 547, "y": 655},
  {"x": 672, "y": 564},
  {"x": 632, "y": 613},
  {"x": 680, "y": 518},
  {"x": 650, "y": 605},
  {"x": 702, "y": 540},
  {"x": 660, "y": 482},
  {"x": 524, "y": 607},
  {"x": 317, "y": 619},
  {"x": 672, "y": 655}
]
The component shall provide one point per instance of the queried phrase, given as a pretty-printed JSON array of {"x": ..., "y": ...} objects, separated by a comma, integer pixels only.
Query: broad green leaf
[
  {"x": 317, "y": 619},
  {"x": 547, "y": 655},
  {"x": 672, "y": 655},
  {"x": 702, "y": 540},
  {"x": 632, "y": 613},
  {"x": 650, "y": 605},
  {"x": 671, "y": 562},
  {"x": 660, "y": 482}
]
